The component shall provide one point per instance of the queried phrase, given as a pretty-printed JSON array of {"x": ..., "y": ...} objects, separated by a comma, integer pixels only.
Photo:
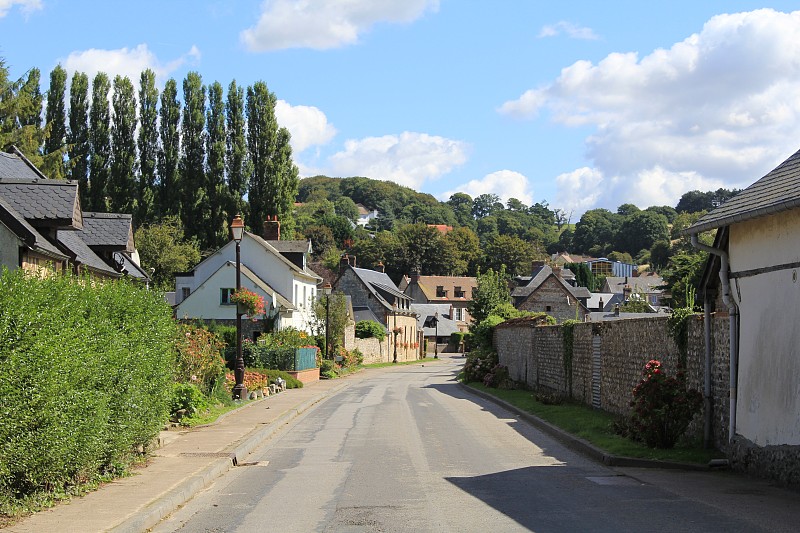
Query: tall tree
[
  {"x": 490, "y": 293},
  {"x": 22, "y": 120},
  {"x": 99, "y": 143},
  {"x": 236, "y": 150},
  {"x": 640, "y": 231},
  {"x": 169, "y": 153},
  {"x": 148, "y": 146},
  {"x": 78, "y": 135},
  {"x": 56, "y": 125},
  {"x": 217, "y": 225},
  {"x": 195, "y": 206},
  {"x": 273, "y": 185},
  {"x": 122, "y": 186}
]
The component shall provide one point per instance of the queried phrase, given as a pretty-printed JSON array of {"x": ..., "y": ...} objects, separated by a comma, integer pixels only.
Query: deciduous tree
[
  {"x": 78, "y": 135},
  {"x": 122, "y": 187},
  {"x": 99, "y": 144}
]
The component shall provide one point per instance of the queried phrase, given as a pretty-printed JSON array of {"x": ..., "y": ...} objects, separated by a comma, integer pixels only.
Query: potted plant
[{"x": 248, "y": 303}]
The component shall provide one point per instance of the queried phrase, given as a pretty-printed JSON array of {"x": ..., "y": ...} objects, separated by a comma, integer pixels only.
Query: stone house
[
  {"x": 374, "y": 294},
  {"x": 649, "y": 285},
  {"x": 274, "y": 269},
  {"x": 547, "y": 292},
  {"x": 452, "y": 291},
  {"x": 752, "y": 277}
]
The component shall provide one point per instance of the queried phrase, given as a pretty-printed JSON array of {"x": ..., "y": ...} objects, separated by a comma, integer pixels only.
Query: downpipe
[{"x": 733, "y": 312}]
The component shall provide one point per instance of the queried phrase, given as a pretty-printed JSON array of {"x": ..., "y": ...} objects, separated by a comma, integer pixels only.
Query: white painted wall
[
  {"x": 768, "y": 406},
  {"x": 204, "y": 301}
]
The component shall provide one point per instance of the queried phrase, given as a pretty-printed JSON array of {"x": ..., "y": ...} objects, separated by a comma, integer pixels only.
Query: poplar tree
[
  {"x": 195, "y": 208},
  {"x": 122, "y": 181},
  {"x": 78, "y": 134},
  {"x": 169, "y": 154},
  {"x": 216, "y": 226},
  {"x": 56, "y": 125},
  {"x": 99, "y": 144},
  {"x": 236, "y": 150},
  {"x": 148, "y": 146},
  {"x": 273, "y": 183}
]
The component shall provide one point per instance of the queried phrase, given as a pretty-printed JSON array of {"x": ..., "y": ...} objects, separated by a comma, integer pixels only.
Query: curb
[
  {"x": 580, "y": 445},
  {"x": 170, "y": 501}
]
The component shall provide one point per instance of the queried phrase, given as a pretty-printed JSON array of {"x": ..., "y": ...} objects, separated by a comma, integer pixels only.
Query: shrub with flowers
[
  {"x": 252, "y": 380},
  {"x": 479, "y": 363},
  {"x": 251, "y": 303},
  {"x": 662, "y": 407},
  {"x": 198, "y": 358}
]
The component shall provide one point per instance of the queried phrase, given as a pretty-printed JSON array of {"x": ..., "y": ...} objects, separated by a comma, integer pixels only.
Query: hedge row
[{"x": 85, "y": 378}]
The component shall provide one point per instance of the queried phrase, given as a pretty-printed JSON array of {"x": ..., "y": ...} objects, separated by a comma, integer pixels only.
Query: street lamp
[
  {"x": 239, "y": 390},
  {"x": 436, "y": 335},
  {"x": 394, "y": 312},
  {"x": 327, "y": 289}
]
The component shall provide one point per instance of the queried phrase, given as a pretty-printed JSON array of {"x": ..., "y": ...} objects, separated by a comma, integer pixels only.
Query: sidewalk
[{"x": 187, "y": 462}]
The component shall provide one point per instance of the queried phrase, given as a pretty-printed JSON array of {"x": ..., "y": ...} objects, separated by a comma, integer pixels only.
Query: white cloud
[
  {"x": 27, "y": 6},
  {"x": 569, "y": 29},
  {"x": 718, "y": 109},
  {"x": 408, "y": 159},
  {"x": 308, "y": 125},
  {"x": 128, "y": 62},
  {"x": 504, "y": 183},
  {"x": 323, "y": 24}
]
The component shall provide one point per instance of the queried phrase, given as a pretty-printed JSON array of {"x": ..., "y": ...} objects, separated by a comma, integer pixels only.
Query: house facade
[
  {"x": 756, "y": 258},
  {"x": 547, "y": 292},
  {"x": 373, "y": 293},
  {"x": 287, "y": 285},
  {"x": 453, "y": 291}
]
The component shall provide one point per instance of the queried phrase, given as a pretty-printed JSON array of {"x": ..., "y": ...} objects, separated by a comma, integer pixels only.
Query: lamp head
[{"x": 237, "y": 228}]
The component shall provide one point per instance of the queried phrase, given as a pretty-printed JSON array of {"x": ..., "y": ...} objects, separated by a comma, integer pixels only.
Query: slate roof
[
  {"x": 17, "y": 166},
  {"x": 365, "y": 313},
  {"x": 446, "y": 326},
  {"x": 647, "y": 283},
  {"x": 83, "y": 254},
  {"x": 44, "y": 202},
  {"x": 778, "y": 191},
  {"x": 27, "y": 233},
  {"x": 268, "y": 245},
  {"x": 108, "y": 230},
  {"x": 291, "y": 246},
  {"x": 541, "y": 273}
]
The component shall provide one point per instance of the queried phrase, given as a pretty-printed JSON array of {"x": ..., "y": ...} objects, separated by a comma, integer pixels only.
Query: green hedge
[{"x": 85, "y": 378}]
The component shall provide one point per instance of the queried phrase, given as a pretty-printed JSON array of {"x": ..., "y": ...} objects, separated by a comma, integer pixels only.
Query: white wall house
[{"x": 288, "y": 288}]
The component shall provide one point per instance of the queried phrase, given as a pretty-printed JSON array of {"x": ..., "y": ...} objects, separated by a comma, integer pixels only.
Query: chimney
[
  {"x": 415, "y": 277},
  {"x": 557, "y": 271},
  {"x": 352, "y": 261},
  {"x": 601, "y": 303},
  {"x": 381, "y": 268},
  {"x": 344, "y": 261},
  {"x": 616, "y": 309},
  {"x": 272, "y": 229},
  {"x": 626, "y": 292}
]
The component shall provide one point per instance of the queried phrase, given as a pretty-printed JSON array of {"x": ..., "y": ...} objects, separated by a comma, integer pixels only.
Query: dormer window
[
  {"x": 441, "y": 292},
  {"x": 458, "y": 292}
]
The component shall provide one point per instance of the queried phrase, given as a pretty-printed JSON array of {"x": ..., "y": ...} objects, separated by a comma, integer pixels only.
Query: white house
[
  {"x": 757, "y": 256},
  {"x": 273, "y": 269}
]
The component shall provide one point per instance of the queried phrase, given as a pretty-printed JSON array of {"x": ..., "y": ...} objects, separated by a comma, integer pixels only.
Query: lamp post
[
  {"x": 394, "y": 331},
  {"x": 239, "y": 390},
  {"x": 327, "y": 289},
  {"x": 436, "y": 335}
]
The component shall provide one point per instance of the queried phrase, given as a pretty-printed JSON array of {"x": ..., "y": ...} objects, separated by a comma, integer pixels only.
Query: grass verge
[
  {"x": 399, "y": 363},
  {"x": 597, "y": 427}
]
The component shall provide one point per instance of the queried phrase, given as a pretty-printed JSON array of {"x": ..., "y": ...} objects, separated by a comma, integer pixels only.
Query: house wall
[
  {"x": 405, "y": 339},
  {"x": 360, "y": 296},
  {"x": 9, "y": 248},
  {"x": 768, "y": 406},
  {"x": 551, "y": 293},
  {"x": 615, "y": 352}
]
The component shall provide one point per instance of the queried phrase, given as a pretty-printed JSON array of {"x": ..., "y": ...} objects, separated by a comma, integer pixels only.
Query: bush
[
  {"x": 366, "y": 329},
  {"x": 662, "y": 407},
  {"x": 199, "y": 358},
  {"x": 189, "y": 397},
  {"x": 479, "y": 363},
  {"x": 258, "y": 355},
  {"x": 85, "y": 378},
  {"x": 455, "y": 339}
]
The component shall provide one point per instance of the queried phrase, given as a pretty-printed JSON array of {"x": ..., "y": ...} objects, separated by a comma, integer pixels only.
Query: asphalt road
[{"x": 408, "y": 449}]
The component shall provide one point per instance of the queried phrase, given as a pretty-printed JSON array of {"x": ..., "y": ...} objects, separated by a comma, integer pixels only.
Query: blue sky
[{"x": 582, "y": 104}]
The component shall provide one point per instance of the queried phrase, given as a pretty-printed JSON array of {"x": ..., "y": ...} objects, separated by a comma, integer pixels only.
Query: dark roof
[
  {"x": 291, "y": 246},
  {"x": 269, "y": 246},
  {"x": 15, "y": 166},
  {"x": 648, "y": 282},
  {"x": 44, "y": 202},
  {"x": 27, "y": 233},
  {"x": 425, "y": 312},
  {"x": 365, "y": 313},
  {"x": 541, "y": 273},
  {"x": 83, "y": 254},
  {"x": 777, "y": 191},
  {"x": 108, "y": 230},
  {"x": 379, "y": 284},
  {"x": 130, "y": 267}
]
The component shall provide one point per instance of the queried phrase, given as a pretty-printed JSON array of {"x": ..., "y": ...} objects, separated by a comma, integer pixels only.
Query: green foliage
[
  {"x": 679, "y": 325},
  {"x": 694, "y": 201},
  {"x": 662, "y": 407},
  {"x": 583, "y": 276},
  {"x": 479, "y": 363},
  {"x": 483, "y": 331},
  {"x": 640, "y": 230},
  {"x": 163, "y": 248},
  {"x": 85, "y": 377},
  {"x": 331, "y": 312},
  {"x": 636, "y": 303},
  {"x": 568, "y": 335},
  {"x": 78, "y": 134},
  {"x": 99, "y": 144},
  {"x": 366, "y": 329},
  {"x": 490, "y": 292},
  {"x": 188, "y": 397},
  {"x": 198, "y": 358}
]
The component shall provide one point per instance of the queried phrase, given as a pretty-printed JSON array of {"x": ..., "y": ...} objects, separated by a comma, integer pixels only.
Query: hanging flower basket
[{"x": 248, "y": 303}]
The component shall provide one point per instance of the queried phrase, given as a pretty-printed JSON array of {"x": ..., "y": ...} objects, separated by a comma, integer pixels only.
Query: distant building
[{"x": 452, "y": 291}]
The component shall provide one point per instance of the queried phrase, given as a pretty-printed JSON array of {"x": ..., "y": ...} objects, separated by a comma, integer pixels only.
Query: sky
[{"x": 580, "y": 104}]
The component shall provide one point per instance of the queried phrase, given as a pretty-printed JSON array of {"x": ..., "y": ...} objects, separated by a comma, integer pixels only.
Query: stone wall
[
  {"x": 534, "y": 355},
  {"x": 373, "y": 350}
]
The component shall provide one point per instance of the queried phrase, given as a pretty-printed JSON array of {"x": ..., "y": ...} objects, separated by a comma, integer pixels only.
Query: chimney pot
[{"x": 272, "y": 228}]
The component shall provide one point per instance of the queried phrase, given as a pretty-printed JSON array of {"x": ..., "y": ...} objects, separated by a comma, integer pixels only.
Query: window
[
  {"x": 185, "y": 293},
  {"x": 224, "y": 296},
  {"x": 547, "y": 309},
  {"x": 440, "y": 292},
  {"x": 457, "y": 292},
  {"x": 459, "y": 313}
]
